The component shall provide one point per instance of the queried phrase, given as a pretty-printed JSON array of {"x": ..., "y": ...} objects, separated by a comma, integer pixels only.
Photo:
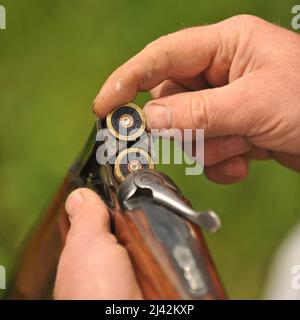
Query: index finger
[{"x": 179, "y": 55}]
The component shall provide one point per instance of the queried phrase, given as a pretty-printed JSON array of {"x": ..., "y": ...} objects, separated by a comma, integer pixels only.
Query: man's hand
[
  {"x": 93, "y": 265},
  {"x": 238, "y": 79}
]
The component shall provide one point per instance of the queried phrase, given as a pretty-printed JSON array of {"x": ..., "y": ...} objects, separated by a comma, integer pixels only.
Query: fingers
[
  {"x": 218, "y": 149},
  {"x": 236, "y": 169},
  {"x": 289, "y": 160},
  {"x": 257, "y": 153},
  {"x": 180, "y": 55},
  {"x": 230, "y": 171},
  {"x": 225, "y": 159}
]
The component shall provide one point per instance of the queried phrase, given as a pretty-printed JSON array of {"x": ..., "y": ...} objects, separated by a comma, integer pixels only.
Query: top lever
[{"x": 165, "y": 193}]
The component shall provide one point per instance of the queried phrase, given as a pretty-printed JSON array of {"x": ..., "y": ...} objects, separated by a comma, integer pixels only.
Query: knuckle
[
  {"x": 149, "y": 60},
  {"x": 245, "y": 25},
  {"x": 158, "y": 54},
  {"x": 156, "y": 44},
  {"x": 109, "y": 239},
  {"x": 121, "y": 251},
  {"x": 159, "y": 41},
  {"x": 198, "y": 111},
  {"x": 246, "y": 19}
]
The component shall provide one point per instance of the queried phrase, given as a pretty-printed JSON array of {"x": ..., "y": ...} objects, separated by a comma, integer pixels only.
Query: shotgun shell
[
  {"x": 130, "y": 160},
  {"x": 127, "y": 122}
]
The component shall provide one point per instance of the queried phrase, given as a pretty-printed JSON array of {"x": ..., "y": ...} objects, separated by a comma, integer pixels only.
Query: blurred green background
[{"x": 54, "y": 56}]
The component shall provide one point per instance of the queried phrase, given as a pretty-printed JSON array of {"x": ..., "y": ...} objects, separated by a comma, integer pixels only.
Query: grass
[{"x": 54, "y": 56}]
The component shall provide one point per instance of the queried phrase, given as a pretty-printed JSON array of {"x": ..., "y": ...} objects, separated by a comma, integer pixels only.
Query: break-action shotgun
[{"x": 149, "y": 216}]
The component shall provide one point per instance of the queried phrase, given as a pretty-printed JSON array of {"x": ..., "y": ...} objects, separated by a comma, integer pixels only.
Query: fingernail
[
  {"x": 233, "y": 169},
  {"x": 74, "y": 201},
  {"x": 158, "y": 116},
  {"x": 234, "y": 145}
]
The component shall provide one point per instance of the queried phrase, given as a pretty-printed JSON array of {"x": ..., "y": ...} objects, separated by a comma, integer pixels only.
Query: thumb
[
  {"x": 219, "y": 111},
  {"x": 87, "y": 213},
  {"x": 93, "y": 265}
]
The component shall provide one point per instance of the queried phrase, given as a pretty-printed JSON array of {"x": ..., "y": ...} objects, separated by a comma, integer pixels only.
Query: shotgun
[{"x": 149, "y": 216}]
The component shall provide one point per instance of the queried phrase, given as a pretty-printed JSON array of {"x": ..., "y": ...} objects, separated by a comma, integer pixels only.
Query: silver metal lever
[{"x": 165, "y": 193}]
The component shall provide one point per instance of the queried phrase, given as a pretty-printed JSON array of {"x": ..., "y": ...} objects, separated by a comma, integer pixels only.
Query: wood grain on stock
[
  {"x": 154, "y": 270},
  {"x": 154, "y": 282}
]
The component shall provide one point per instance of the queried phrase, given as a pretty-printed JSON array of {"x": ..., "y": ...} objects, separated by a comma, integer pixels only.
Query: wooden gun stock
[{"x": 155, "y": 271}]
